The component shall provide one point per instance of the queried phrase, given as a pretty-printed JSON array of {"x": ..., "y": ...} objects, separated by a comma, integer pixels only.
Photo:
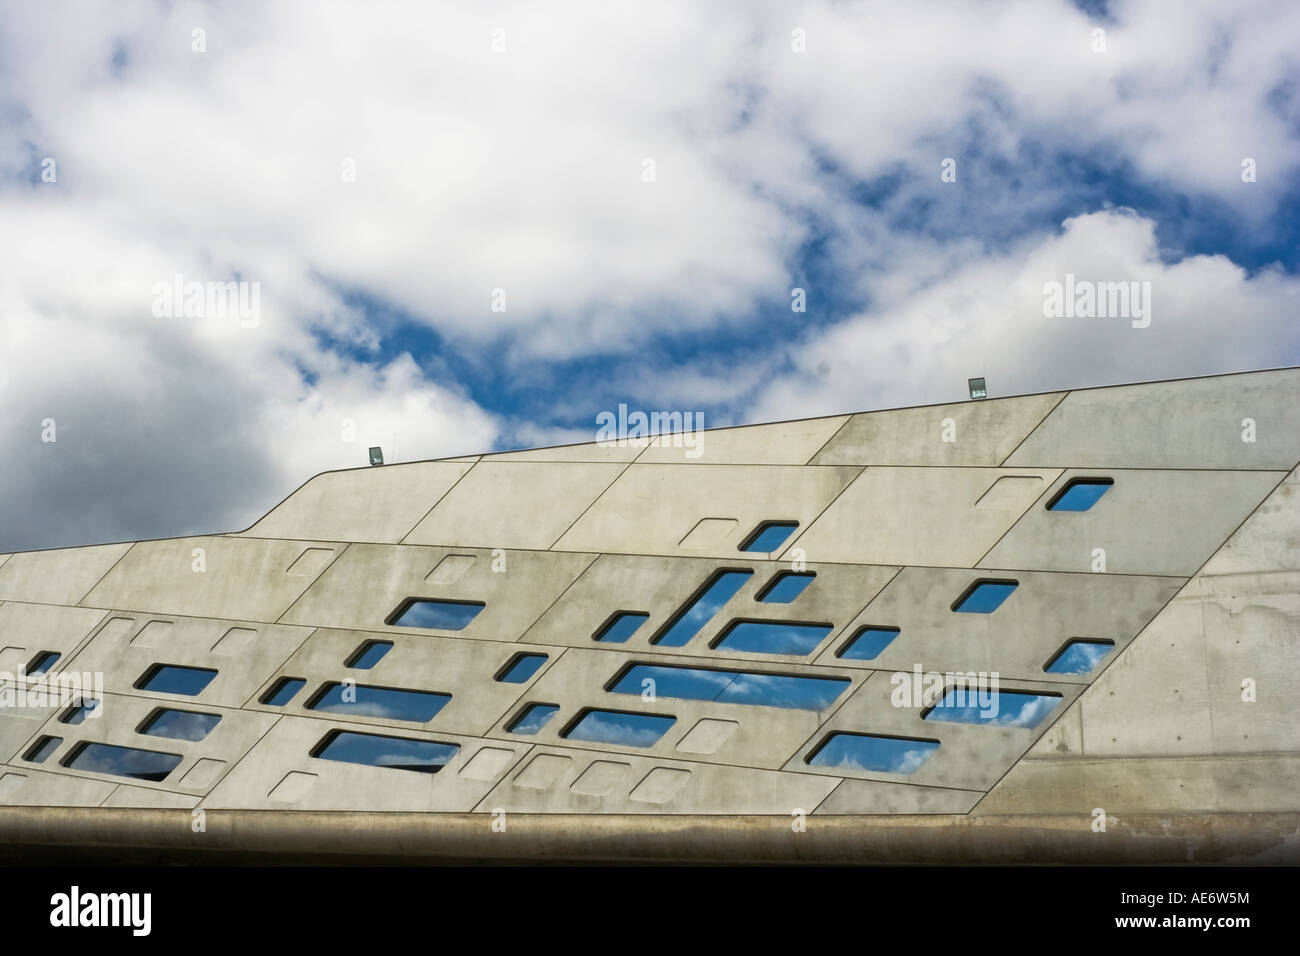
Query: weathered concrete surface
[
  {"x": 286, "y": 837},
  {"x": 62, "y": 576}
]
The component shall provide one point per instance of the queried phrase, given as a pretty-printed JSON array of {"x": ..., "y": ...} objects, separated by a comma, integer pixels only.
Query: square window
[
  {"x": 984, "y": 597},
  {"x": 78, "y": 711},
  {"x": 176, "y": 679},
  {"x": 785, "y": 587},
  {"x": 867, "y": 643},
  {"x": 872, "y": 752},
  {"x": 179, "y": 724},
  {"x": 41, "y": 663},
  {"x": 43, "y": 747},
  {"x": 283, "y": 691},
  {"x": 379, "y": 750},
  {"x": 521, "y": 668},
  {"x": 1080, "y": 494},
  {"x": 620, "y": 728},
  {"x": 368, "y": 655},
  {"x": 769, "y": 536},
  {"x": 533, "y": 718},
  {"x": 435, "y": 614},
  {"x": 1079, "y": 656},
  {"x": 620, "y": 627}
]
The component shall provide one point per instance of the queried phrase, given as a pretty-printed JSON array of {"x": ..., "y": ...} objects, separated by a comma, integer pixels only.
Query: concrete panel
[
  {"x": 1193, "y": 423},
  {"x": 26, "y": 786},
  {"x": 465, "y": 669},
  {"x": 650, "y": 508},
  {"x": 764, "y": 737},
  {"x": 660, "y": 787},
  {"x": 27, "y": 629},
  {"x": 982, "y": 432},
  {"x": 661, "y": 587},
  {"x": 143, "y": 797},
  {"x": 1146, "y": 784},
  {"x": 875, "y": 796},
  {"x": 347, "y": 786},
  {"x": 115, "y": 651},
  {"x": 1149, "y": 522},
  {"x": 970, "y": 756},
  {"x": 19, "y": 724},
  {"x": 57, "y": 577},
  {"x": 514, "y": 504},
  {"x": 120, "y": 718},
  {"x": 940, "y": 517},
  {"x": 245, "y": 578},
  {"x": 1269, "y": 540},
  {"x": 1019, "y": 638},
  {"x": 370, "y": 582},
  {"x": 379, "y": 504},
  {"x": 781, "y": 443}
]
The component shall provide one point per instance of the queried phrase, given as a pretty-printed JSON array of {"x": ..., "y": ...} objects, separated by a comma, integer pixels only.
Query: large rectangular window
[
  {"x": 176, "y": 679},
  {"x": 363, "y": 700},
  {"x": 731, "y": 687},
  {"x": 772, "y": 637},
  {"x": 179, "y": 724},
  {"x": 436, "y": 614},
  {"x": 380, "y": 750},
  {"x": 619, "y": 727},
  {"x": 1003, "y": 708},
  {"x": 698, "y": 611},
  {"x": 122, "y": 761},
  {"x": 874, "y": 753}
]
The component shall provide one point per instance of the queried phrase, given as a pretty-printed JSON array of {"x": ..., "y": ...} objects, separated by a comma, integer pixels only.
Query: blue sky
[{"x": 503, "y": 146}]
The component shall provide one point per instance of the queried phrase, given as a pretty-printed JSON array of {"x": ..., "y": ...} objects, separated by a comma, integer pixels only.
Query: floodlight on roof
[
  {"x": 376, "y": 455},
  {"x": 977, "y": 388}
]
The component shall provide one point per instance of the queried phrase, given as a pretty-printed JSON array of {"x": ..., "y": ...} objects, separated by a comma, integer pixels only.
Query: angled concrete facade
[{"x": 1183, "y": 576}]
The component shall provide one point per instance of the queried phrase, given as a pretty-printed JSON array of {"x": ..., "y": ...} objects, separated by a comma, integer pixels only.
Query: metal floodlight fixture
[
  {"x": 376, "y": 455},
  {"x": 977, "y": 389}
]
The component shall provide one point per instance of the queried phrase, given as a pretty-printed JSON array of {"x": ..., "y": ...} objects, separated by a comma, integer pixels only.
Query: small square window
[
  {"x": 533, "y": 718},
  {"x": 872, "y": 752},
  {"x": 769, "y": 536},
  {"x": 42, "y": 662},
  {"x": 867, "y": 643},
  {"x": 368, "y": 655},
  {"x": 984, "y": 597},
  {"x": 78, "y": 711},
  {"x": 521, "y": 668},
  {"x": 436, "y": 614},
  {"x": 785, "y": 587},
  {"x": 1080, "y": 494},
  {"x": 176, "y": 679},
  {"x": 1079, "y": 656},
  {"x": 620, "y": 627},
  {"x": 283, "y": 691},
  {"x": 43, "y": 747}
]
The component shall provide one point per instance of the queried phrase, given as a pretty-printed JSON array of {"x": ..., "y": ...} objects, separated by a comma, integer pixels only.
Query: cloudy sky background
[{"x": 522, "y": 170}]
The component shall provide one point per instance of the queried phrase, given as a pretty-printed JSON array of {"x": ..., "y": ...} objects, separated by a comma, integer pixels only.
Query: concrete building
[{"x": 1060, "y": 627}]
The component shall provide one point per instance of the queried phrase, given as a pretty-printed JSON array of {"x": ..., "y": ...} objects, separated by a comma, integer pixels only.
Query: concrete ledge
[{"x": 288, "y": 837}]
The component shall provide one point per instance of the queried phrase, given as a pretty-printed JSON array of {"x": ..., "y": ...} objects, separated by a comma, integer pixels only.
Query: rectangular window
[
  {"x": 1004, "y": 708},
  {"x": 772, "y": 637},
  {"x": 731, "y": 687},
  {"x": 379, "y": 750},
  {"x": 872, "y": 752},
  {"x": 620, "y": 627},
  {"x": 78, "y": 711},
  {"x": 41, "y": 663},
  {"x": 122, "y": 761},
  {"x": 283, "y": 691},
  {"x": 698, "y": 611},
  {"x": 179, "y": 724},
  {"x": 984, "y": 597},
  {"x": 43, "y": 747},
  {"x": 769, "y": 536},
  {"x": 867, "y": 643},
  {"x": 435, "y": 614},
  {"x": 533, "y": 718},
  {"x": 1079, "y": 656},
  {"x": 785, "y": 587},
  {"x": 1080, "y": 494},
  {"x": 362, "y": 700},
  {"x": 520, "y": 668},
  {"x": 175, "y": 679},
  {"x": 619, "y": 727},
  {"x": 368, "y": 655}
]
